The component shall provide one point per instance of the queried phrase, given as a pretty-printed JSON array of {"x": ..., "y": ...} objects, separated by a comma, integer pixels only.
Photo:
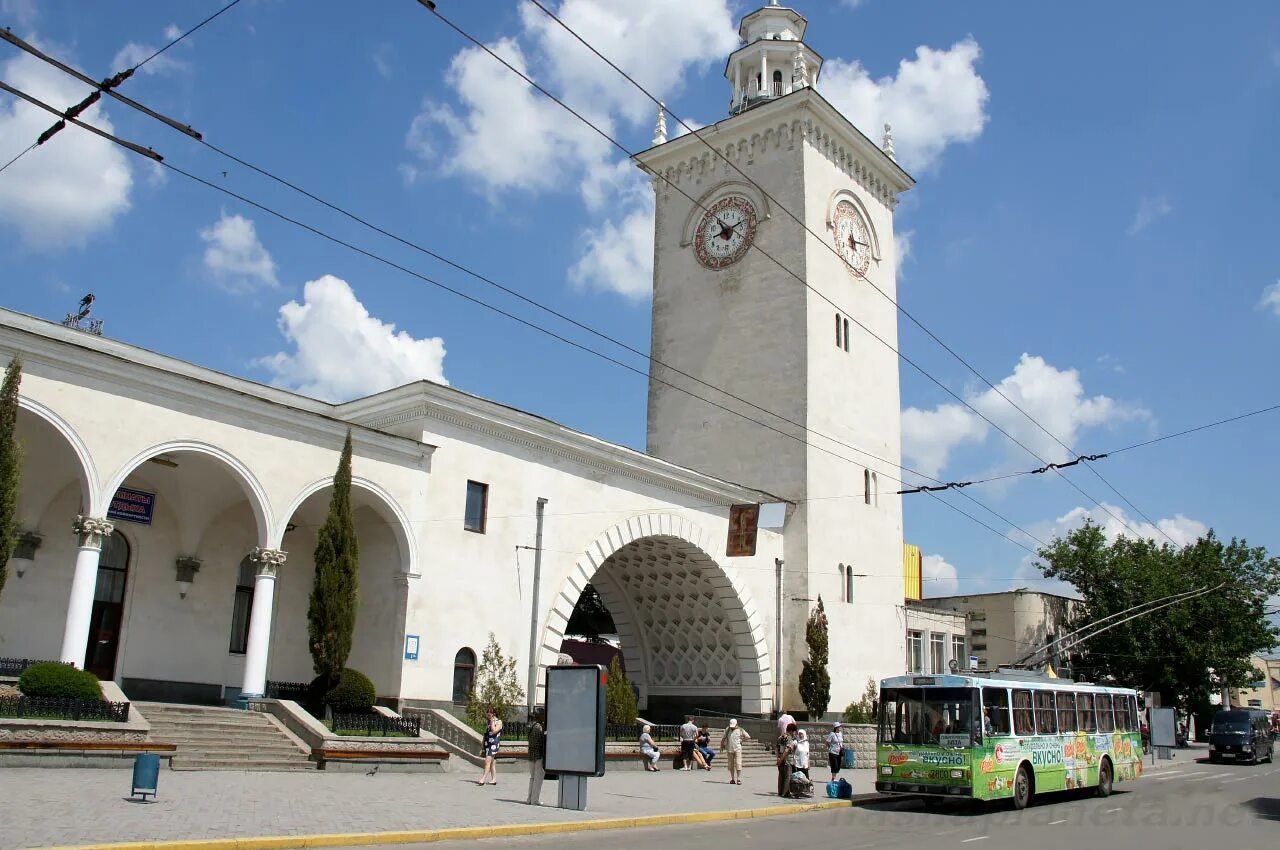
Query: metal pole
[
  {"x": 533, "y": 617},
  {"x": 777, "y": 640}
]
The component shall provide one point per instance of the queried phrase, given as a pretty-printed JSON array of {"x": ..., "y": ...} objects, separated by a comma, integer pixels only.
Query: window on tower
[
  {"x": 866, "y": 486},
  {"x": 846, "y": 334},
  {"x": 838, "y": 330},
  {"x": 777, "y": 84}
]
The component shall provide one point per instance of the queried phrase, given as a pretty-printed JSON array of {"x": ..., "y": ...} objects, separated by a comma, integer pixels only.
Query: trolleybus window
[
  {"x": 1133, "y": 714},
  {"x": 1084, "y": 713},
  {"x": 924, "y": 717},
  {"x": 995, "y": 711},
  {"x": 1106, "y": 723},
  {"x": 1066, "y": 711},
  {"x": 1024, "y": 721},
  {"x": 1122, "y": 714},
  {"x": 1046, "y": 721}
]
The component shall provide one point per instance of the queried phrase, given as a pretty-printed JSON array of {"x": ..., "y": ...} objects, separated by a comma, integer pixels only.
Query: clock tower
[{"x": 760, "y": 285}]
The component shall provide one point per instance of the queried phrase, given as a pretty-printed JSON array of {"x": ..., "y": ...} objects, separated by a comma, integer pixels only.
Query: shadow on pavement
[{"x": 1266, "y": 808}]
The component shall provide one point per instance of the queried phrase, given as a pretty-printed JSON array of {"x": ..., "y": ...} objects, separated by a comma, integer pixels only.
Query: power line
[
  {"x": 187, "y": 130},
  {"x": 755, "y": 245},
  {"x": 881, "y": 292},
  {"x": 1197, "y": 428},
  {"x": 138, "y": 149},
  {"x": 25, "y": 151},
  {"x": 184, "y": 35}
]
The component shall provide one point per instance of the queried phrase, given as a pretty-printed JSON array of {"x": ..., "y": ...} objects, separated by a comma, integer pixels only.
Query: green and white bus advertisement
[{"x": 1004, "y": 736}]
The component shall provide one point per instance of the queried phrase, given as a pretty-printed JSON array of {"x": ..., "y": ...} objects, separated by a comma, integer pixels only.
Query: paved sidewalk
[{"x": 58, "y": 807}]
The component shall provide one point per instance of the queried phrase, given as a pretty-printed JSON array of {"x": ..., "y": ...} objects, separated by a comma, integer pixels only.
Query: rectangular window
[
  {"x": 1046, "y": 717},
  {"x": 995, "y": 710},
  {"x": 838, "y": 326},
  {"x": 1024, "y": 719},
  {"x": 1106, "y": 722},
  {"x": 959, "y": 651},
  {"x": 1087, "y": 720},
  {"x": 477, "y": 506},
  {"x": 915, "y": 653},
  {"x": 982, "y": 632},
  {"x": 937, "y": 653},
  {"x": 1066, "y": 712},
  {"x": 242, "y": 608},
  {"x": 1122, "y": 713},
  {"x": 846, "y": 334},
  {"x": 1134, "y": 719}
]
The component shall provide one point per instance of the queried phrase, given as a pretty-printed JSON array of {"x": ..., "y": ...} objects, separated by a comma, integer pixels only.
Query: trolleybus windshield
[{"x": 928, "y": 716}]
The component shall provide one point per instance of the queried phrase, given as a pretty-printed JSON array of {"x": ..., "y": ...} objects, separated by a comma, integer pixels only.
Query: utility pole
[
  {"x": 533, "y": 616},
  {"x": 777, "y": 641}
]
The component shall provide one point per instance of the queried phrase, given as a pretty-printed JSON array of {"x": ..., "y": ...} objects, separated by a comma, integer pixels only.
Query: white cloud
[
  {"x": 929, "y": 436},
  {"x": 1149, "y": 209},
  {"x": 935, "y": 100},
  {"x": 341, "y": 352},
  {"x": 172, "y": 32},
  {"x": 384, "y": 56},
  {"x": 133, "y": 53},
  {"x": 1271, "y": 298},
  {"x": 902, "y": 239},
  {"x": 940, "y": 578},
  {"x": 1053, "y": 397},
  {"x": 618, "y": 256},
  {"x": 235, "y": 257},
  {"x": 852, "y": 4},
  {"x": 23, "y": 11},
  {"x": 73, "y": 186}
]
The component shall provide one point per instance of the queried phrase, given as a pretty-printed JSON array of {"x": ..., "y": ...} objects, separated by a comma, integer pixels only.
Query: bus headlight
[{"x": 957, "y": 774}]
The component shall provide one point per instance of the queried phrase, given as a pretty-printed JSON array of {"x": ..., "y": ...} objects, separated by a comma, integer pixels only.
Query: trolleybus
[{"x": 1007, "y": 735}]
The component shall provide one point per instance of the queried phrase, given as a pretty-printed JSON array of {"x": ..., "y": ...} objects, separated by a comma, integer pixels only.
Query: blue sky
[{"x": 1094, "y": 223}]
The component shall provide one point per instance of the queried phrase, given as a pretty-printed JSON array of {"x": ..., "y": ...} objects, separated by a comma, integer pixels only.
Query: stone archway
[{"x": 690, "y": 633}]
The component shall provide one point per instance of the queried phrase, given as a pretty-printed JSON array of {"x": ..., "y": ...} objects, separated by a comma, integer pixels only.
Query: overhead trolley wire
[{"x": 697, "y": 134}]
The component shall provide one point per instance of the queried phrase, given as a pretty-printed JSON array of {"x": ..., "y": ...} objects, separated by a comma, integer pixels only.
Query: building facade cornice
[
  {"x": 802, "y": 117},
  {"x": 112, "y": 363}
]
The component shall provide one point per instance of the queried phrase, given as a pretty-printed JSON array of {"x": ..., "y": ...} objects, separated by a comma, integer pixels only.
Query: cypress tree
[
  {"x": 10, "y": 465},
  {"x": 335, "y": 594},
  {"x": 815, "y": 681},
  {"x": 619, "y": 699}
]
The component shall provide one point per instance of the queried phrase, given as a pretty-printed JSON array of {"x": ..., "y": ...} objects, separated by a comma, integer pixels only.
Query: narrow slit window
[
  {"x": 838, "y": 337},
  {"x": 866, "y": 486},
  {"x": 477, "y": 507},
  {"x": 846, "y": 334},
  {"x": 848, "y": 584}
]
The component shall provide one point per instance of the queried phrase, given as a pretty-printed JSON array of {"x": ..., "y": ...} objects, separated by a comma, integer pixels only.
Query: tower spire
[
  {"x": 660, "y": 128},
  {"x": 887, "y": 144}
]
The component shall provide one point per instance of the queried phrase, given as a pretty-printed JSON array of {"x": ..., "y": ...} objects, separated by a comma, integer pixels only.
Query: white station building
[{"x": 171, "y": 511}]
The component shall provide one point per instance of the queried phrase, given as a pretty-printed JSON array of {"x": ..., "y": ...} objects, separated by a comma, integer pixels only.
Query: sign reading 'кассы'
[{"x": 132, "y": 506}]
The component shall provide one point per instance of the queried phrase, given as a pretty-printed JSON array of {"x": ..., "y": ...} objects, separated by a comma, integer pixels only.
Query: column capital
[
  {"x": 269, "y": 561},
  {"x": 92, "y": 531}
]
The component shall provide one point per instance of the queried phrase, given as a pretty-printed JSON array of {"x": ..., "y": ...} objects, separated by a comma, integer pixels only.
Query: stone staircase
[{"x": 222, "y": 738}]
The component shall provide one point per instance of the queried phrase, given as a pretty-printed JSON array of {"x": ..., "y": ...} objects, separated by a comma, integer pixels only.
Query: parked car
[{"x": 1243, "y": 734}]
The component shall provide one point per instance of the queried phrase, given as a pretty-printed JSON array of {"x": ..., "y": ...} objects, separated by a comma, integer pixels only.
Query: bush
[
  {"x": 59, "y": 681},
  {"x": 354, "y": 693}
]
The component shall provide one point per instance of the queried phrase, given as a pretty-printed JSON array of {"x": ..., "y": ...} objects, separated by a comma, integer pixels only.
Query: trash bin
[
  {"x": 846, "y": 761},
  {"x": 146, "y": 775}
]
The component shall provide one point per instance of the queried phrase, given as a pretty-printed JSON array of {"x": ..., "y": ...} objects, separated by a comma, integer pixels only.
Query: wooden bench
[
  {"x": 322, "y": 755},
  {"x": 96, "y": 746}
]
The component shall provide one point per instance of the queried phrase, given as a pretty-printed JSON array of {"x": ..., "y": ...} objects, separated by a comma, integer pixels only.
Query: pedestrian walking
[
  {"x": 835, "y": 749},
  {"x": 702, "y": 748},
  {"x": 489, "y": 745},
  {"x": 688, "y": 741},
  {"x": 537, "y": 752},
  {"x": 649, "y": 750},
  {"x": 731, "y": 746},
  {"x": 786, "y": 751}
]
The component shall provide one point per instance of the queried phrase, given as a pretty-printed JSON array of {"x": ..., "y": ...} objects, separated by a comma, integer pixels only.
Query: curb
[{"x": 361, "y": 839}]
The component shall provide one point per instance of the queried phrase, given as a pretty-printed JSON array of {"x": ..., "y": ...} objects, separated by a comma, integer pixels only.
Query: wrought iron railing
[
  {"x": 63, "y": 709},
  {"x": 296, "y": 691},
  {"x": 17, "y": 666},
  {"x": 376, "y": 725}
]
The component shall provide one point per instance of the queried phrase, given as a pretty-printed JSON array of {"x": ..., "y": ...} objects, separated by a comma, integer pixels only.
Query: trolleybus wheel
[
  {"x": 1104, "y": 778},
  {"x": 1022, "y": 788}
]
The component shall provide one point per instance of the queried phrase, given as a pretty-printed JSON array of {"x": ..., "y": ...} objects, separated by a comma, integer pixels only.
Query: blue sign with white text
[{"x": 132, "y": 506}]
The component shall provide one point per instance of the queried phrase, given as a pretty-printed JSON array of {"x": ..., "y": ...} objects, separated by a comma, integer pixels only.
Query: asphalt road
[{"x": 1192, "y": 806}]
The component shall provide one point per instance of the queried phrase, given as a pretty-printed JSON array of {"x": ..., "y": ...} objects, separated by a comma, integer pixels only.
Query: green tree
[
  {"x": 10, "y": 465},
  {"x": 335, "y": 592},
  {"x": 863, "y": 710},
  {"x": 1188, "y": 648},
  {"x": 619, "y": 699},
  {"x": 497, "y": 686},
  {"x": 815, "y": 681}
]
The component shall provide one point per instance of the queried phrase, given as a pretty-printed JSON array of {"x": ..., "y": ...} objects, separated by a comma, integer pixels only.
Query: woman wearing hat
[
  {"x": 835, "y": 749},
  {"x": 731, "y": 746}
]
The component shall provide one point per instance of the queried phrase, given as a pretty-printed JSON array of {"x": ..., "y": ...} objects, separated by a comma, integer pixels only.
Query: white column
[
  {"x": 739, "y": 91},
  {"x": 264, "y": 592},
  {"x": 766, "y": 84},
  {"x": 75, "y": 635}
]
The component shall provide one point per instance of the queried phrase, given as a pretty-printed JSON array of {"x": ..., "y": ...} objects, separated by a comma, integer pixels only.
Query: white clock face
[
  {"x": 853, "y": 239},
  {"x": 725, "y": 233}
]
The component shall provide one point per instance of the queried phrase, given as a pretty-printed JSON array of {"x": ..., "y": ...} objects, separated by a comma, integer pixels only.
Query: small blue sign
[
  {"x": 132, "y": 506},
  {"x": 410, "y": 647}
]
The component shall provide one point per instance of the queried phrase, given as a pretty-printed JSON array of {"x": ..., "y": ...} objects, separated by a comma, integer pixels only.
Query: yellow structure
[{"x": 912, "y": 571}]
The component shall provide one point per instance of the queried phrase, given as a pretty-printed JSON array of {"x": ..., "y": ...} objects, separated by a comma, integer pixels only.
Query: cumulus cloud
[
  {"x": 1271, "y": 298},
  {"x": 341, "y": 352},
  {"x": 935, "y": 99},
  {"x": 1149, "y": 209},
  {"x": 902, "y": 241},
  {"x": 940, "y": 578},
  {"x": 73, "y": 186},
  {"x": 1053, "y": 397},
  {"x": 133, "y": 53},
  {"x": 235, "y": 257}
]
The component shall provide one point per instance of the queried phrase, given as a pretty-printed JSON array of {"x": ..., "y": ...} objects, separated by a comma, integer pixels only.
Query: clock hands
[{"x": 726, "y": 231}]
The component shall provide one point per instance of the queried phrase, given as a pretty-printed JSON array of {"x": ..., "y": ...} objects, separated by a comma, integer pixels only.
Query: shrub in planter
[
  {"x": 354, "y": 693},
  {"x": 59, "y": 681}
]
